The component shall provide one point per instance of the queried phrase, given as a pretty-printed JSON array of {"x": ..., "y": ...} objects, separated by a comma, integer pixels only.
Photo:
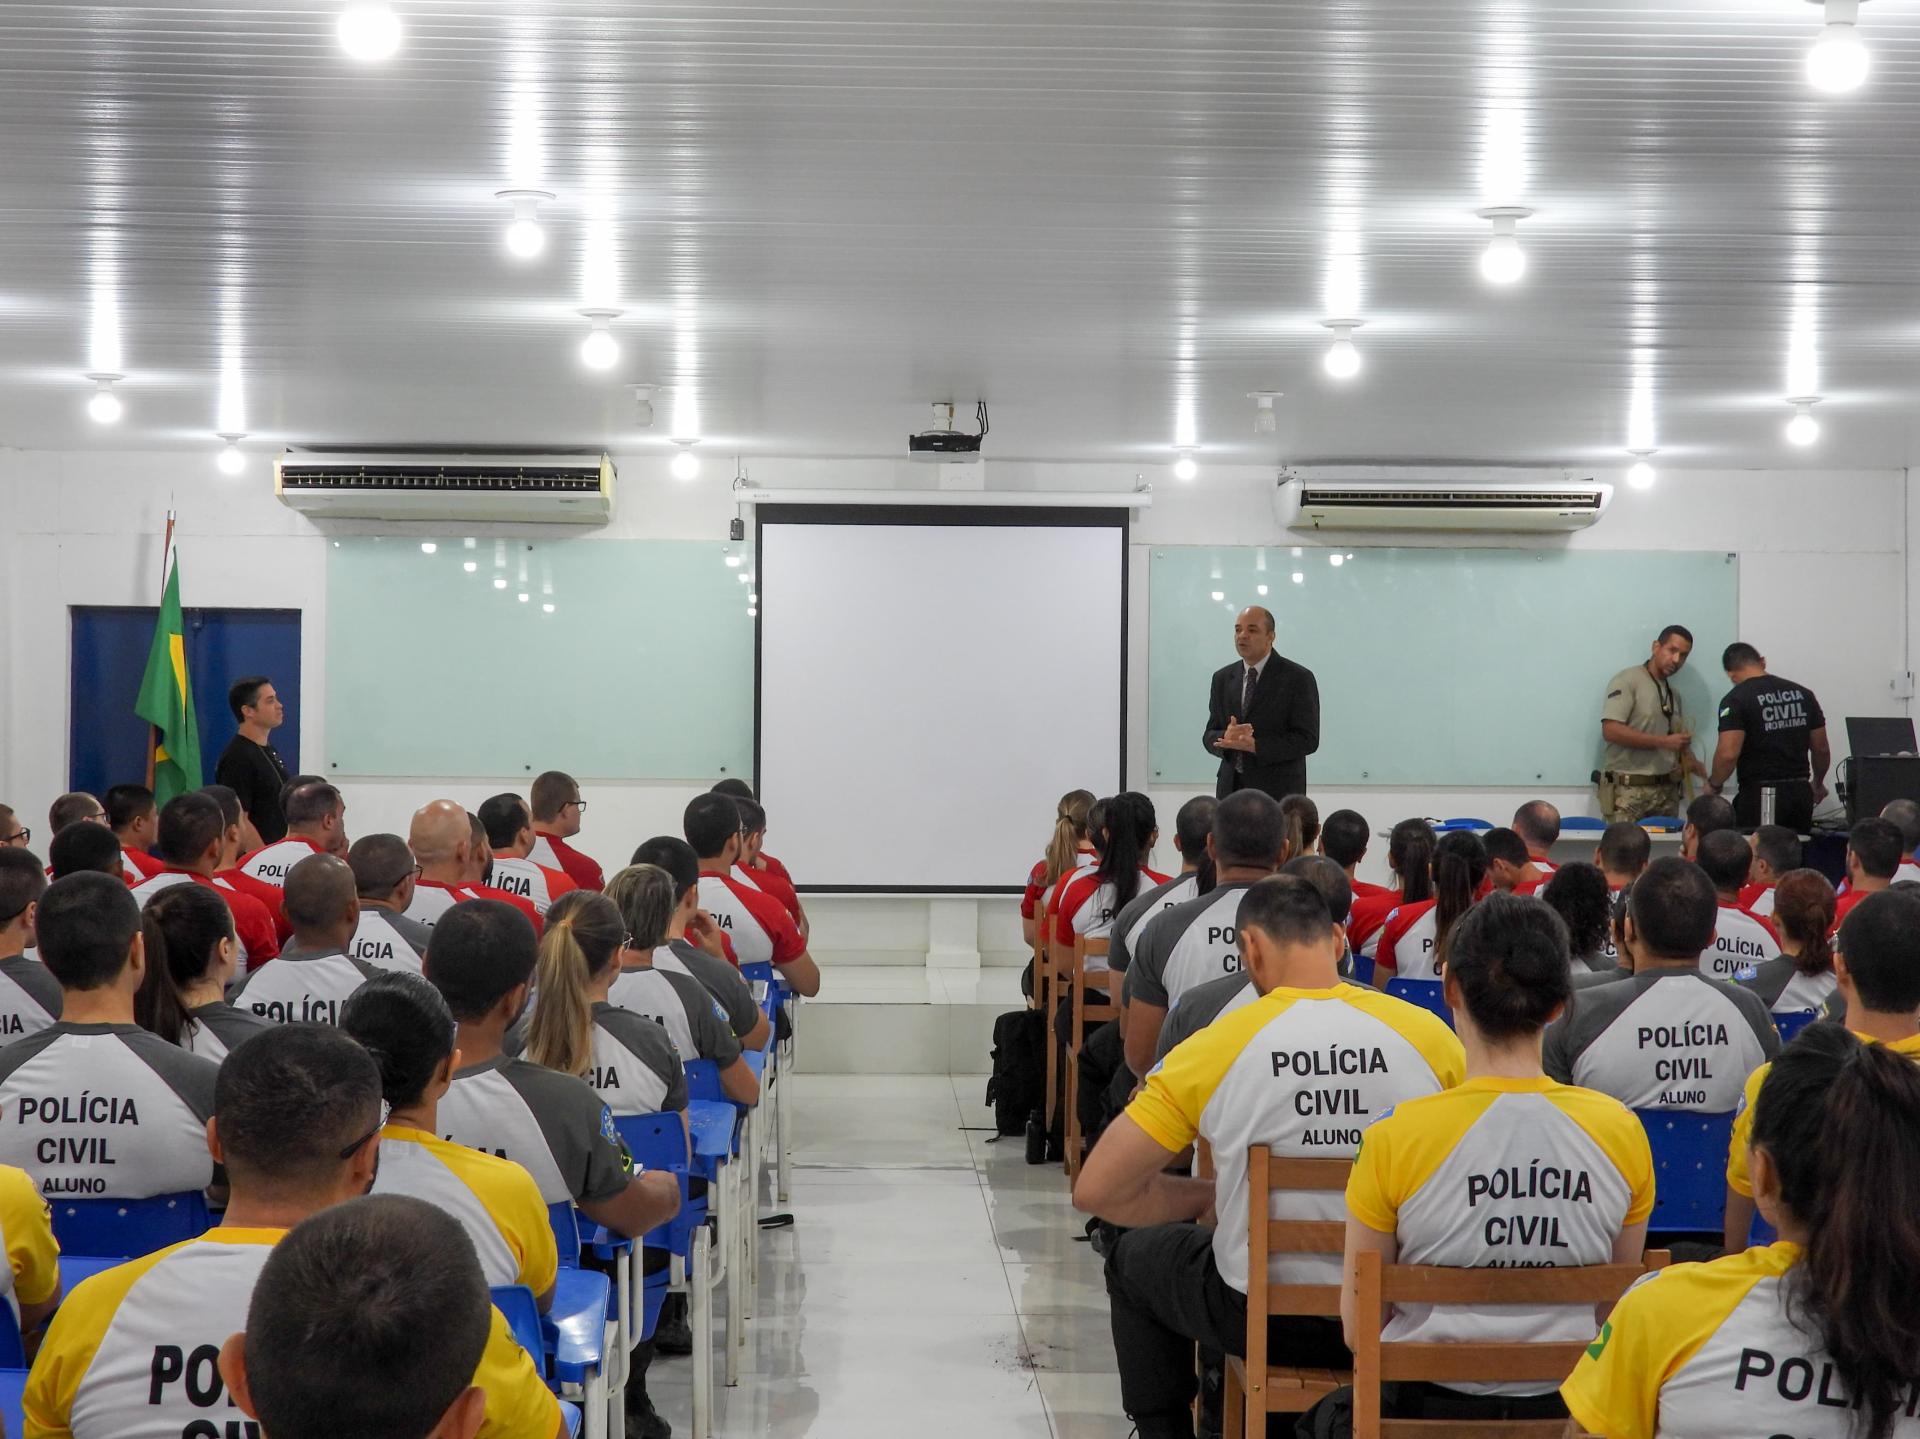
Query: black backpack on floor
[{"x": 1017, "y": 1087}]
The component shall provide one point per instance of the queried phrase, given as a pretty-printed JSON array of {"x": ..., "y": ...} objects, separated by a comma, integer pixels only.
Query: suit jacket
[{"x": 1285, "y": 715}]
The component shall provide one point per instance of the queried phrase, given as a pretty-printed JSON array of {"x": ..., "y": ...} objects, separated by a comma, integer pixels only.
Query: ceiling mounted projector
[{"x": 945, "y": 445}]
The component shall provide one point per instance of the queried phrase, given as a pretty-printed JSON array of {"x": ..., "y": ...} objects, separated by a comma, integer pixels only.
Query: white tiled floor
[{"x": 930, "y": 1287}]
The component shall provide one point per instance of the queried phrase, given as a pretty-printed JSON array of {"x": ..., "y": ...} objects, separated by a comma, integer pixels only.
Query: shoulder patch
[
  {"x": 1615, "y": 694},
  {"x": 1725, "y": 710},
  {"x": 1599, "y": 1345}
]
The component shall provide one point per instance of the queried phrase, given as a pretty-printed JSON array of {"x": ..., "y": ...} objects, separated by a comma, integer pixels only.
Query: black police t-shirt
[
  {"x": 1776, "y": 716},
  {"x": 255, "y": 772}
]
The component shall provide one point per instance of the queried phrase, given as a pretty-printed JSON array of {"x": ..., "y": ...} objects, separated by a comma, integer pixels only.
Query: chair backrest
[
  {"x": 703, "y": 1080},
  {"x": 1085, "y": 982},
  {"x": 566, "y": 1233},
  {"x": 1788, "y": 1025},
  {"x": 1546, "y": 1362},
  {"x": 1267, "y": 1174},
  {"x": 760, "y": 970},
  {"x": 1582, "y": 824},
  {"x": 1447, "y": 825},
  {"x": 656, "y": 1141},
  {"x": 129, "y": 1228},
  {"x": 1689, "y": 1168},
  {"x": 1662, "y": 821},
  {"x": 522, "y": 1313},
  {"x": 1429, "y": 994}
]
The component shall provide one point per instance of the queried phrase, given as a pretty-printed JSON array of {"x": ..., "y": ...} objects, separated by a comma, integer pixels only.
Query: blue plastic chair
[
  {"x": 1429, "y": 994},
  {"x": 1582, "y": 824},
  {"x": 1789, "y": 1025},
  {"x": 1760, "y": 1232},
  {"x": 1447, "y": 825},
  {"x": 561, "y": 1362},
  {"x": 129, "y": 1228},
  {"x": 13, "y": 1391},
  {"x": 1689, "y": 1169},
  {"x": 1660, "y": 821},
  {"x": 1363, "y": 969}
]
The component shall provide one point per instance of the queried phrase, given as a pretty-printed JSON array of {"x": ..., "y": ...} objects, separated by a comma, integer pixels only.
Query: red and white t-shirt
[
  {"x": 1757, "y": 899},
  {"x": 270, "y": 897},
  {"x": 555, "y": 853},
  {"x": 757, "y": 923},
  {"x": 768, "y": 881},
  {"x": 272, "y": 863},
  {"x": 1366, "y": 919},
  {"x": 1037, "y": 886},
  {"x": 1362, "y": 889},
  {"x": 252, "y": 925},
  {"x": 1087, "y": 905},
  {"x": 139, "y": 864},
  {"x": 432, "y": 899},
  {"x": 538, "y": 884},
  {"x": 1408, "y": 942},
  {"x": 1843, "y": 906}
]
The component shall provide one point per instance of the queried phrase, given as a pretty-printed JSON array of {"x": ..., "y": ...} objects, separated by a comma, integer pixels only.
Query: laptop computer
[{"x": 1877, "y": 736}]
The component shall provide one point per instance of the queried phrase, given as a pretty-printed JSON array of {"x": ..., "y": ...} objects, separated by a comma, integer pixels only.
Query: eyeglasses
[
  {"x": 19, "y": 836},
  {"x": 385, "y": 1110},
  {"x": 575, "y": 803}
]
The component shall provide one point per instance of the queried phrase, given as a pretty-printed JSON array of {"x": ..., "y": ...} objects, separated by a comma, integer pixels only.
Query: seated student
[
  {"x": 751, "y": 871},
  {"x": 1427, "y": 1186},
  {"x": 1707, "y": 815},
  {"x": 678, "y": 1003},
  {"x": 1191, "y": 826},
  {"x": 694, "y": 946},
  {"x": 314, "y": 974},
  {"x": 1617, "y": 945},
  {"x": 1578, "y": 894},
  {"x": 1800, "y": 979},
  {"x": 30, "y": 1275},
  {"x": 316, "y": 824},
  {"x": 1198, "y": 940},
  {"x": 1622, "y": 854},
  {"x": 1413, "y": 941},
  {"x": 1300, "y": 817},
  {"x": 95, "y": 1106},
  {"x": 1816, "y": 1336},
  {"x": 1873, "y": 858},
  {"x": 1344, "y": 839},
  {"x": 1410, "y": 859},
  {"x": 1250, "y": 1078},
  {"x": 228, "y": 875},
  {"x": 1538, "y": 825},
  {"x": 1510, "y": 869},
  {"x": 135, "y": 822},
  {"x": 13, "y": 834},
  {"x": 75, "y": 807},
  {"x": 29, "y": 994},
  {"x": 1877, "y": 978},
  {"x": 370, "y": 1318},
  {"x": 192, "y": 839},
  {"x": 509, "y": 828},
  {"x": 449, "y": 846},
  {"x": 130, "y": 1355},
  {"x": 1776, "y": 851},
  {"x": 1204, "y": 1003},
  {"x": 551, "y": 1124},
  {"x": 191, "y": 954},
  {"x": 761, "y": 930},
  {"x": 1670, "y": 1037},
  {"x": 557, "y": 814},
  {"x": 408, "y": 1029},
  {"x": 758, "y": 861},
  {"x": 1066, "y": 851},
  {"x": 1092, "y": 897},
  {"x": 1904, "y": 815},
  {"x": 383, "y": 874},
  {"x": 1741, "y": 941},
  {"x": 480, "y": 883},
  {"x": 626, "y": 1057},
  {"x": 87, "y": 846}
]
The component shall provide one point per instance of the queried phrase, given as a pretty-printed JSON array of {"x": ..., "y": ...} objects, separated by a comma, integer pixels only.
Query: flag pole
[{"x": 166, "y": 553}]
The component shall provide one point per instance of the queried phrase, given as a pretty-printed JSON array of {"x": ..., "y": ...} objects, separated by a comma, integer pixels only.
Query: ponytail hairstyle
[
  {"x": 1841, "y": 1122},
  {"x": 1803, "y": 907},
  {"x": 646, "y": 897},
  {"x": 404, "y": 1023},
  {"x": 585, "y": 934},
  {"x": 1069, "y": 828},
  {"x": 1410, "y": 855},
  {"x": 1129, "y": 835},
  {"x": 1459, "y": 869},
  {"x": 1301, "y": 817},
  {"x": 183, "y": 926}
]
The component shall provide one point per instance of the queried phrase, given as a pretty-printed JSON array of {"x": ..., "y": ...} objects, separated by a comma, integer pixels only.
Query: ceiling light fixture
[
  {"x": 369, "y": 30},
  {"x": 600, "y": 351},
  {"x": 104, "y": 408},
  {"x": 470, "y": 566},
  {"x": 1803, "y": 429},
  {"x": 1186, "y": 467},
  {"x": 643, "y": 404},
  {"x": 230, "y": 459},
  {"x": 686, "y": 464},
  {"x": 1503, "y": 261},
  {"x": 1342, "y": 360},
  {"x": 1641, "y": 474},
  {"x": 1263, "y": 420},
  {"x": 524, "y": 237},
  {"x": 499, "y": 582},
  {"x": 524, "y": 597},
  {"x": 546, "y": 606},
  {"x": 1838, "y": 62},
  {"x": 428, "y": 547}
]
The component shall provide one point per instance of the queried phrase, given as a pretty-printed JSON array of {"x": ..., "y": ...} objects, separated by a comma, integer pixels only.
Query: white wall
[{"x": 1824, "y": 592}]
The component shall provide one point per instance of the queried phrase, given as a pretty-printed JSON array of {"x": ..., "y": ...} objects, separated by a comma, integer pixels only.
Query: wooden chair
[
  {"x": 1079, "y": 982},
  {"x": 1545, "y": 1361},
  {"x": 1043, "y": 991},
  {"x": 1254, "y": 1387}
]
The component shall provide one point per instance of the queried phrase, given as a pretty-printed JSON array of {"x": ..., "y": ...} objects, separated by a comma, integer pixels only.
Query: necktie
[{"x": 1247, "y": 682}]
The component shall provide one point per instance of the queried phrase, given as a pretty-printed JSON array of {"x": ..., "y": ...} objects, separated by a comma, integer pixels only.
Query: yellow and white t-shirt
[
  {"x": 1705, "y": 1351},
  {"x": 132, "y": 1352},
  {"x": 1738, "y": 1179},
  {"x": 1502, "y": 1174},
  {"x": 32, "y": 1271},
  {"x": 1302, "y": 1071},
  {"x": 495, "y": 1200}
]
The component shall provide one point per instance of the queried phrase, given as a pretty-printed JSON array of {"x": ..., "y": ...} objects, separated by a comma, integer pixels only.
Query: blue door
[{"x": 107, "y": 742}]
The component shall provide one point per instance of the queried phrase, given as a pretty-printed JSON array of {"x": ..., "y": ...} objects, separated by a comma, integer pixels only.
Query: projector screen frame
[{"x": 1117, "y": 516}]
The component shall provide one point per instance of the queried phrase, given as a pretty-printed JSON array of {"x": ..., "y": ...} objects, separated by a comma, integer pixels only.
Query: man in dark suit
[{"x": 1263, "y": 716}]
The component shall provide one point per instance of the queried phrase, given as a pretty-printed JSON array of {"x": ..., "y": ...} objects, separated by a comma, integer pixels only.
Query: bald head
[
  {"x": 441, "y": 838},
  {"x": 322, "y": 901},
  {"x": 1253, "y": 634}
]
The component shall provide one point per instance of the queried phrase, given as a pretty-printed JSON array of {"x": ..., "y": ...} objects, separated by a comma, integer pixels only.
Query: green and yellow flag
[{"x": 166, "y": 700}]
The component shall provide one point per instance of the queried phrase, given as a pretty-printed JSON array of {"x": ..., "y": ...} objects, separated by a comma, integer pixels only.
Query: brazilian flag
[{"x": 166, "y": 700}]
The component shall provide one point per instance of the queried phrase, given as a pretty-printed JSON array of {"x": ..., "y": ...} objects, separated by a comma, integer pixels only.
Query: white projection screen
[{"x": 930, "y": 682}]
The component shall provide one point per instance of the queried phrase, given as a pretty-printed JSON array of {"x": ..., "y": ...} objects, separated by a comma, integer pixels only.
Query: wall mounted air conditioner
[
  {"x": 1532, "y": 505},
  {"x": 516, "y": 489}
]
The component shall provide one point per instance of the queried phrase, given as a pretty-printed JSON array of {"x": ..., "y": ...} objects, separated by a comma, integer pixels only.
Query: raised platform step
[{"x": 904, "y": 1019}]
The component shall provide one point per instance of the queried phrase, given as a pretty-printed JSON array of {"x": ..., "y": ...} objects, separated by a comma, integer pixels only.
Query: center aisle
[{"x": 931, "y": 1287}]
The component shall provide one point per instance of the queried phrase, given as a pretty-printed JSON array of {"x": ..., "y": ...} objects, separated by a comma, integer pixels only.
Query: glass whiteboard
[
  {"x": 1445, "y": 667},
  {"x": 610, "y": 659}
]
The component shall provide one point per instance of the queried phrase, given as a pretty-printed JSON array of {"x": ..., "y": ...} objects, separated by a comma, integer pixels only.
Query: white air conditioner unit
[
  {"x": 515, "y": 489},
  {"x": 1534, "y": 505}
]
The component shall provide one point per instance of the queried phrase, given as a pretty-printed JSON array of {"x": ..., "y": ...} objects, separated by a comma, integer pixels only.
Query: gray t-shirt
[
  {"x": 29, "y": 997},
  {"x": 552, "y": 1125},
  {"x": 217, "y": 1029},
  {"x": 1785, "y": 990},
  {"x": 302, "y": 986},
  {"x": 1664, "y": 1039},
  {"x": 635, "y": 1068},
  {"x": 682, "y": 1006},
  {"x": 1200, "y": 1006},
  {"x": 386, "y": 939},
  {"x": 722, "y": 980},
  {"x": 1131, "y": 922},
  {"x": 1187, "y": 945}
]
